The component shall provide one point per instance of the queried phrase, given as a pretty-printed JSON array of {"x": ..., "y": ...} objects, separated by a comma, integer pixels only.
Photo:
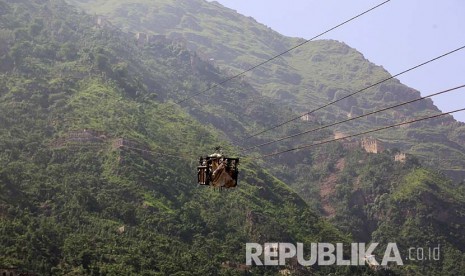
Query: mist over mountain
[{"x": 98, "y": 165}]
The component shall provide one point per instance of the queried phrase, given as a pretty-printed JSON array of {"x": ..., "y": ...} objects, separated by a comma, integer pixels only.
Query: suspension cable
[
  {"x": 361, "y": 133},
  {"x": 353, "y": 118}
]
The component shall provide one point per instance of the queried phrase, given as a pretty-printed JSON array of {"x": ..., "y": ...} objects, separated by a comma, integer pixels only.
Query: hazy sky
[{"x": 398, "y": 35}]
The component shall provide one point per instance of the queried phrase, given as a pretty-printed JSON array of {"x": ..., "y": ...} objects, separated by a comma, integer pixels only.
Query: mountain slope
[
  {"x": 75, "y": 199},
  {"x": 387, "y": 201},
  {"x": 306, "y": 78}
]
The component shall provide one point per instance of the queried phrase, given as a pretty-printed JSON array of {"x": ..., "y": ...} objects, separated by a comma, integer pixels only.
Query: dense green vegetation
[
  {"x": 74, "y": 207},
  {"x": 86, "y": 207},
  {"x": 303, "y": 79},
  {"x": 379, "y": 200}
]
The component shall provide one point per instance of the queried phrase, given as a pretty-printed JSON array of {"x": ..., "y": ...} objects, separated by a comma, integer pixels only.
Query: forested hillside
[
  {"x": 74, "y": 201},
  {"x": 306, "y": 78},
  {"x": 98, "y": 165},
  {"x": 377, "y": 199}
]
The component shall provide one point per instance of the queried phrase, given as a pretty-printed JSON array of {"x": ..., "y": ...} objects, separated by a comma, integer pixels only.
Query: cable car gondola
[{"x": 218, "y": 170}]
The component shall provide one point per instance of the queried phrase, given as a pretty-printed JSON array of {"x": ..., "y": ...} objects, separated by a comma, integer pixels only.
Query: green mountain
[
  {"x": 97, "y": 174},
  {"x": 377, "y": 199},
  {"x": 306, "y": 78},
  {"x": 98, "y": 167}
]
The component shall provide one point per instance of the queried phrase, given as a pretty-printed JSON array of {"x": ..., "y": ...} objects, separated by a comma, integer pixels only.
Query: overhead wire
[
  {"x": 274, "y": 57},
  {"x": 353, "y": 118},
  {"x": 288, "y": 137},
  {"x": 287, "y": 51},
  {"x": 184, "y": 156},
  {"x": 361, "y": 133},
  {"x": 352, "y": 94}
]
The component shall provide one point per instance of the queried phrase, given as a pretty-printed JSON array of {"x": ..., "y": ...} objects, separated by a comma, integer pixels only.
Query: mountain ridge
[
  {"x": 310, "y": 76},
  {"x": 79, "y": 209}
]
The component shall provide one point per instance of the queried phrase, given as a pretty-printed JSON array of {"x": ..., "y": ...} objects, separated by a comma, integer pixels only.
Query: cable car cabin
[{"x": 218, "y": 171}]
